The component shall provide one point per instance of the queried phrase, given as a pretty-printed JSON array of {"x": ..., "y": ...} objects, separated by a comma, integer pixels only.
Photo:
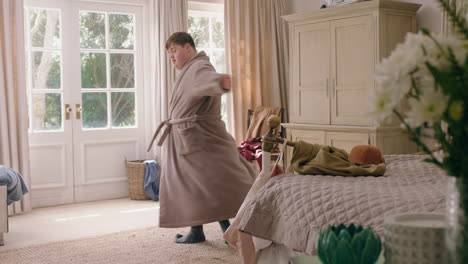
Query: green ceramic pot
[{"x": 348, "y": 245}]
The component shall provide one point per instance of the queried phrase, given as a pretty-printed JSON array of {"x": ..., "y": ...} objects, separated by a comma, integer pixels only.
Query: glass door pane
[
  {"x": 107, "y": 66},
  {"x": 47, "y": 111},
  {"x": 44, "y": 68},
  {"x": 94, "y": 110}
]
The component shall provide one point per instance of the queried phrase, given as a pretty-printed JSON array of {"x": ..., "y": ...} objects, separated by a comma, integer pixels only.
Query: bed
[
  {"x": 285, "y": 214},
  {"x": 281, "y": 215}
]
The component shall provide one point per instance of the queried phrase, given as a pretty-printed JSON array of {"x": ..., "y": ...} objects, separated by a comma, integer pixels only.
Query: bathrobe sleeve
[{"x": 206, "y": 80}]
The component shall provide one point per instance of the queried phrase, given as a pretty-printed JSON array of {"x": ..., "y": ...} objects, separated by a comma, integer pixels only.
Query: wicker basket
[{"x": 136, "y": 179}]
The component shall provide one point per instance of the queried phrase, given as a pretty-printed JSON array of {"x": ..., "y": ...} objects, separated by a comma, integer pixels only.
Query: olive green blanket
[{"x": 315, "y": 159}]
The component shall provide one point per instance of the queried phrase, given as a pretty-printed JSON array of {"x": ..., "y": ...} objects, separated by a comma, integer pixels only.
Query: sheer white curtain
[
  {"x": 14, "y": 148},
  {"x": 257, "y": 49},
  {"x": 165, "y": 17}
]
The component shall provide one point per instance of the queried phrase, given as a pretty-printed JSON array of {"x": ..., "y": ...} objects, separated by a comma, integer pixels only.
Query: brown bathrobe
[{"x": 204, "y": 179}]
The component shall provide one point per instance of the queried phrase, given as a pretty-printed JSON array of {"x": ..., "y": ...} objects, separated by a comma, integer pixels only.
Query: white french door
[{"x": 85, "y": 98}]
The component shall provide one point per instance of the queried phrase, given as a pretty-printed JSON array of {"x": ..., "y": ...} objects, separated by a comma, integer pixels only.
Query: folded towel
[
  {"x": 16, "y": 186},
  {"x": 151, "y": 179}
]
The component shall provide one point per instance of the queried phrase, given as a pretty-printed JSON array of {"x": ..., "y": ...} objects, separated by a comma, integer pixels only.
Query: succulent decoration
[{"x": 348, "y": 245}]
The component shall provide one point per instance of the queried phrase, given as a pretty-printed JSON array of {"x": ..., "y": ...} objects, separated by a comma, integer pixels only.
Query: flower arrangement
[
  {"x": 424, "y": 83},
  {"x": 428, "y": 75}
]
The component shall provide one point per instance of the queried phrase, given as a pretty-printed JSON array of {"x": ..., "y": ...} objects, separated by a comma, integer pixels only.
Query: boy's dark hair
[{"x": 180, "y": 38}]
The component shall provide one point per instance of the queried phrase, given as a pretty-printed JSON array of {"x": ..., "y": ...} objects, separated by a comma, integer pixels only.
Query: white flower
[
  {"x": 413, "y": 50},
  {"x": 392, "y": 75},
  {"x": 381, "y": 105},
  {"x": 406, "y": 57},
  {"x": 458, "y": 48},
  {"x": 391, "y": 86},
  {"x": 456, "y": 110},
  {"x": 437, "y": 53},
  {"x": 429, "y": 107}
]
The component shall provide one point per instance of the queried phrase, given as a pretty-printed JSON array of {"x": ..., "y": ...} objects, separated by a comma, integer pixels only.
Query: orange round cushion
[{"x": 365, "y": 155}]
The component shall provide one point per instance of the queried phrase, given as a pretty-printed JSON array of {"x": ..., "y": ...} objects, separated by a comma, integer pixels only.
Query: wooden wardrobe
[{"x": 333, "y": 56}]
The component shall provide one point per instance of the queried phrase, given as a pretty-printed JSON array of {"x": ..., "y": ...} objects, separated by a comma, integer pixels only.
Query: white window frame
[
  {"x": 210, "y": 48},
  {"x": 215, "y": 8}
]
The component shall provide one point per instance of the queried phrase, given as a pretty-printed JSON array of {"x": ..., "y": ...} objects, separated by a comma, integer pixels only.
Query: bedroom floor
[{"x": 79, "y": 220}]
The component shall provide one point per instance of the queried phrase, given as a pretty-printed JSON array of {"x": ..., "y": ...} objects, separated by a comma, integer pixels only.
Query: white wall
[{"x": 429, "y": 14}]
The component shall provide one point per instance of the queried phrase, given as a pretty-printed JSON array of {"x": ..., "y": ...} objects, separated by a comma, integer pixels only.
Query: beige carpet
[{"x": 149, "y": 245}]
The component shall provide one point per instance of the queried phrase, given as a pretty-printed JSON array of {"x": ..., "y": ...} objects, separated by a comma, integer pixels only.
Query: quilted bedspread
[{"x": 290, "y": 209}]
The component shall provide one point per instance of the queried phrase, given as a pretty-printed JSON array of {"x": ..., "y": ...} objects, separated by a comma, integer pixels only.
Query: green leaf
[
  {"x": 358, "y": 244},
  {"x": 344, "y": 235},
  {"x": 455, "y": 17},
  {"x": 339, "y": 228},
  {"x": 359, "y": 229},
  {"x": 328, "y": 232},
  {"x": 425, "y": 31},
  {"x": 371, "y": 250},
  {"x": 327, "y": 239},
  {"x": 344, "y": 254},
  {"x": 378, "y": 246},
  {"x": 321, "y": 247},
  {"x": 331, "y": 246},
  {"x": 352, "y": 230}
]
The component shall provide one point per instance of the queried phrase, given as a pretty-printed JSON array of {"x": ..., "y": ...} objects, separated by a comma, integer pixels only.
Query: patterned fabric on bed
[{"x": 290, "y": 209}]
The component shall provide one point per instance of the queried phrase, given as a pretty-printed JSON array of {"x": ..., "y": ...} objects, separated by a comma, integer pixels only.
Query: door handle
[
  {"x": 78, "y": 111},
  {"x": 68, "y": 111}
]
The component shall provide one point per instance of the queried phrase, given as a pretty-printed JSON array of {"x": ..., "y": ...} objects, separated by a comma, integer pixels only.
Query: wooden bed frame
[
  {"x": 3, "y": 213},
  {"x": 269, "y": 140}
]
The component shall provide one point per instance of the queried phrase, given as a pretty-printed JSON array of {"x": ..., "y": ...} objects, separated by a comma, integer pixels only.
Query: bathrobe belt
[{"x": 169, "y": 122}]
